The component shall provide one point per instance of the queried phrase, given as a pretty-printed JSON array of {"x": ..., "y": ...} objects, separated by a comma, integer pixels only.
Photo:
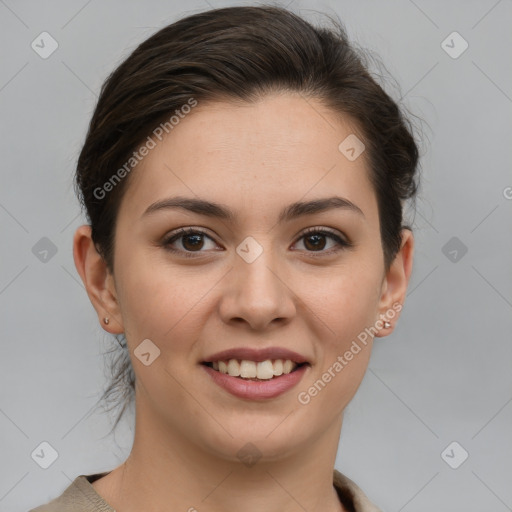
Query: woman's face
[{"x": 252, "y": 280}]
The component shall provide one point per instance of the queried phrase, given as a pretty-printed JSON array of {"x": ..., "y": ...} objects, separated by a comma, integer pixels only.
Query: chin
[{"x": 265, "y": 439}]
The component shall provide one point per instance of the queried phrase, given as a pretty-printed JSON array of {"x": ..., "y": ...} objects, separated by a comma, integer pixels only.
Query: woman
[{"x": 244, "y": 180}]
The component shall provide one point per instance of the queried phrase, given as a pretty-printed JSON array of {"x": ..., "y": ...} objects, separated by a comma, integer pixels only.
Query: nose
[{"x": 257, "y": 293}]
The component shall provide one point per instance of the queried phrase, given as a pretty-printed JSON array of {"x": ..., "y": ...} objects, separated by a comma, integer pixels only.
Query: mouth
[
  {"x": 247, "y": 370},
  {"x": 256, "y": 380},
  {"x": 256, "y": 373}
]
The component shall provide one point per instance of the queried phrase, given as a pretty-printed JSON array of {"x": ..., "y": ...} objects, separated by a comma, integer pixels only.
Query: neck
[{"x": 166, "y": 467}]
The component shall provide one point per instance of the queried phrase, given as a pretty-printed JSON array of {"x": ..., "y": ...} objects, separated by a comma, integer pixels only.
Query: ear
[
  {"x": 394, "y": 286},
  {"x": 99, "y": 282}
]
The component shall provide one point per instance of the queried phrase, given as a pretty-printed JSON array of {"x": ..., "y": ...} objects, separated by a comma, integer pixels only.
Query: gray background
[{"x": 444, "y": 375}]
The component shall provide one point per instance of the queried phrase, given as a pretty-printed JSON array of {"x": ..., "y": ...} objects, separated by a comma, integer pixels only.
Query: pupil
[
  {"x": 196, "y": 244},
  {"x": 317, "y": 237}
]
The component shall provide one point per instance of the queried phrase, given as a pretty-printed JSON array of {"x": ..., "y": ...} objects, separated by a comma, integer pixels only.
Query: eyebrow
[{"x": 215, "y": 210}]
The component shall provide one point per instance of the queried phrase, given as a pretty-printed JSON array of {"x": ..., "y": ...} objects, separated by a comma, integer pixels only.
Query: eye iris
[
  {"x": 315, "y": 244},
  {"x": 198, "y": 243}
]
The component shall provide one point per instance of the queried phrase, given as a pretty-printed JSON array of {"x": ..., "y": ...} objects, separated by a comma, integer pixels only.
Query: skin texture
[{"x": 255, "y": 159}]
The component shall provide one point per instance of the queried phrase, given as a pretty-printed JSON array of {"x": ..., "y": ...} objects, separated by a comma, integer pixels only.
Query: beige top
[{"x": 81, "y": 496}]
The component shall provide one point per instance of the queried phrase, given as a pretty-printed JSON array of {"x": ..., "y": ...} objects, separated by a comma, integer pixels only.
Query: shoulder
[
  {"x": 79, "y": 496},
  {"x": 351, "y": 495}
]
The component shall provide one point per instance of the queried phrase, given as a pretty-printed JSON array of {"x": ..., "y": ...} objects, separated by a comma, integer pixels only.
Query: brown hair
[{"x": 238, "y": 53}]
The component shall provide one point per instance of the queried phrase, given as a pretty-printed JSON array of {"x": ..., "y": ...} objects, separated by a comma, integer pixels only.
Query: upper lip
[{"x": 256, "y": 355}]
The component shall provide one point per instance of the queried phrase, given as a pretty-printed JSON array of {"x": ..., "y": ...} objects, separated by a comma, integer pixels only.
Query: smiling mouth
[{"x": 255, "y": 371}]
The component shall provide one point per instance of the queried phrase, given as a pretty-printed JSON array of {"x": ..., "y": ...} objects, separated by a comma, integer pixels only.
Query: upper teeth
[{"x": 252, "y": 370}]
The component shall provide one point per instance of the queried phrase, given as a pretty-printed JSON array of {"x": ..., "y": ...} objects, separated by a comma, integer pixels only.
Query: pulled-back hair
[{"x": 238, "y": 54}]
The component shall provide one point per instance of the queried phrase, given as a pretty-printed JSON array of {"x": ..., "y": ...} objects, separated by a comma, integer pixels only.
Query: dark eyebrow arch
[{"x": 215, "y": 210}]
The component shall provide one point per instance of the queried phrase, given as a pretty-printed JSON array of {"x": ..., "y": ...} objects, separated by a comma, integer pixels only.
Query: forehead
[{"x": 282, "y": 148}]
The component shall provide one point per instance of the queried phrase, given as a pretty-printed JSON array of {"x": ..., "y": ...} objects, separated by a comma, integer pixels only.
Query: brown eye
[
  {"x": 192, "y": 240},
  {"x": 315, "y": 241}
]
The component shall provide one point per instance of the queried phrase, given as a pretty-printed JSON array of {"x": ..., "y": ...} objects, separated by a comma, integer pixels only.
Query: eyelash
[{"x": 342, "y": 244}]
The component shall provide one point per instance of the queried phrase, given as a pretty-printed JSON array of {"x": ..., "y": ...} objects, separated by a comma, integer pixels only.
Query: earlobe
[
  {"x": 395, "y": 284},
  {"x": 98, "y": 281}
]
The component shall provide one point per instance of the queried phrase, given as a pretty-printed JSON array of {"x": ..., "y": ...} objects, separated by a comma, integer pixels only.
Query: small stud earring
[
  {"x": 106, "y": 321},
  {"x": 387, "y": 325}
]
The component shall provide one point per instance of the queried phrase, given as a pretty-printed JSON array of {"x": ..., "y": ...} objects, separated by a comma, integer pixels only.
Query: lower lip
[{"x": 257, "y": 390}]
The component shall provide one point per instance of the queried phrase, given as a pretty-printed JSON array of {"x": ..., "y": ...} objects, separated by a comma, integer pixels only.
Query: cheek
[
  {"x": 155, "y": 300},
  {"x": 336, "y": 383},
  {"x": 344, "y": 313},
  {"x": 159, "y": 305},
  {"x": 345, "y": 299},
  {"x": 346, "y": 307}
]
